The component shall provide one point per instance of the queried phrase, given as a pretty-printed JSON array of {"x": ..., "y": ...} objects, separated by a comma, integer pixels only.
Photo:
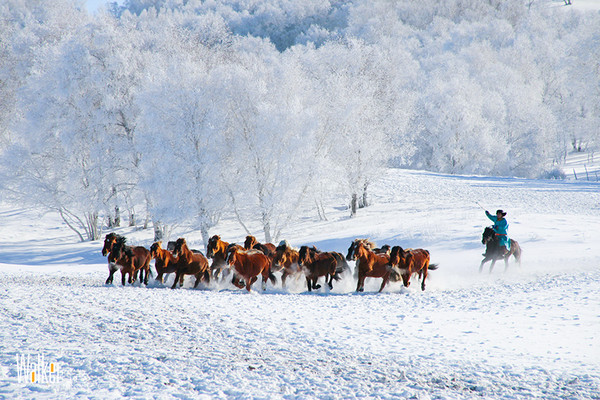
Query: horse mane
[
  {"x": 122, "y": 245},
  {"x": 370, "y": 245}
]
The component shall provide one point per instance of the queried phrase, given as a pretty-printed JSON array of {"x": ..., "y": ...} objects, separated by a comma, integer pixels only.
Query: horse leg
[
  {"x": 492, "y": 265},
  {"x": 486, "y": 259},
  {"x": 178, "y": 276},
  {"x": 111, "y": 272},
  {"x": 250, "y": 282},
  {"x": 309, "y": 284},
  {"x": 283, "y": 278},
  {"x": 386, "y": 278},
  {"x": 198, "y": 276},
  {"x": 360, "y": 286},
  {"x": 314, "y": 283},
  {"x": 425, "y": 271},
  {"x": 330, "y": 283}
]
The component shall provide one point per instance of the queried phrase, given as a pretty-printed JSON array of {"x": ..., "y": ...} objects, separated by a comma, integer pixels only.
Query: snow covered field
[{"x": 529, "y": 332}]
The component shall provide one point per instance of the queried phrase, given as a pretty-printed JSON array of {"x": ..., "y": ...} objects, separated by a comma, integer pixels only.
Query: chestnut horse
[
  {"x": 164, "y": 261},
  {"x": 410, "y": 262},
  {"x": 217, "y": 250},
  {"x": 286, "y": 258},
  {"x": 385, "y": 249},
  {"x": 248, "y": 265},
  {"x": 189, "y": 263},
  {"x": 493, "y": 252},
  {"x": 370, "y": 265},
  {"x": 129, "y": 260},
  {"x": 268, "y": 249}
]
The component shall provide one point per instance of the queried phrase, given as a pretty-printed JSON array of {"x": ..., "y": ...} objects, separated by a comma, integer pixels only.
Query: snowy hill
[{"x": 529, "y": 332}]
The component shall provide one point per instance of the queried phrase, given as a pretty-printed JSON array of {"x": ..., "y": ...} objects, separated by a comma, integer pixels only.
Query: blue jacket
[{"x": 501, "y": 229}]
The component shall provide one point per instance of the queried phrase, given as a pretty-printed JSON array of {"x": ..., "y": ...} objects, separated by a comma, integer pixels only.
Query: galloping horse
[
  {"x": 268, "y": 249},
  {"x": 317, "y": 264},
  {"x": 165, "y": 262},
  {"x": 493, "y": 251},
  {"x": 248, "y": 265},
  {"x": 411, "y": 261},
  {"x": 189, "y": 263},
  {"x": 371, "y": 265},
  {"x": 385, "y": 249},
  {"x": 217, "y": 250},
  {"x": 130, "y": 260},
  {"x": 286, "y": 258}
]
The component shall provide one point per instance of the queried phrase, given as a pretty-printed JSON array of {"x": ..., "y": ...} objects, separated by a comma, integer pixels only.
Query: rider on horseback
[{"x": 501, "y": 229}]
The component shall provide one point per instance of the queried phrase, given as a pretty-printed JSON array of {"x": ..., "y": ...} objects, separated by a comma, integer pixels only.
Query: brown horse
[
  {"x": 129, "y": 260},
  {"x": 164, "y": 261},
  {"x": 286, "y": 259},
  {"x": 385, "y": 249},
  {"x": 248, "y": 265},
  {"x": 410, "y": 262},
  {"x": 217, "y": 250},
  {"x": 371, "y": 265},
  {"x": 189, "y": 263},
  {"x": 316, "y": 264},
  {"x": 268, "y": 249}
]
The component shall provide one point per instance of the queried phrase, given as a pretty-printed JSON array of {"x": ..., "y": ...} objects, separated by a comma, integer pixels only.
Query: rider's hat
[{"x": 501, "y": 212}]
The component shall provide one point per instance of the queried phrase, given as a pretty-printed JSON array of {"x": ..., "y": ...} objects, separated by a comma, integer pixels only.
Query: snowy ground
[{"x": 529, "y": 332}]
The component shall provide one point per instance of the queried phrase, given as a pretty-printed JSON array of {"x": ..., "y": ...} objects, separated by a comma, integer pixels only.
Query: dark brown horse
[
  {"x": 189, "y": 263},
  {"x": 494, "y": 252},
  {"x": 217, "y": 250},
  {"x": 248, "y": 264},
  {"x": 286, "y": 260},
  {"x": 268, "y": 249},
  {"x": 317, "y": 263},
  {"x": 410, "y": 262},
  {"x": 164, "y": 261},
  {"x": 129, "y": 260},
  {"x": 371, "y": 265}
]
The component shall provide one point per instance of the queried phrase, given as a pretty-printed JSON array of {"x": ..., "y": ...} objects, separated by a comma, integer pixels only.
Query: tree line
[{"x": 189, "y": 111}]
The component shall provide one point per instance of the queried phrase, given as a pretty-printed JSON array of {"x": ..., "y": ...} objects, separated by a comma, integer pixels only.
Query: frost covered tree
[{"x": 264, "y": 127}]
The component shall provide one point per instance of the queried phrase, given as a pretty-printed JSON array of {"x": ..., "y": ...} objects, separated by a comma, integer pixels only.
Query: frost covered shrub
[{"x": 555, "y": 173}]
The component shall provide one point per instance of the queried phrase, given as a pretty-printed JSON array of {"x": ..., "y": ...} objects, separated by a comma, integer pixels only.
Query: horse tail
[
  {"x": 341, "y": 265},
  {"x": 433, "y": 267},
  {"x": 272, "y": 278}
]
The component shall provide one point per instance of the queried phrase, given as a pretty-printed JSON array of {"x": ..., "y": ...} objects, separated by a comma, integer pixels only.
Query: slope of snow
[{"x": 529, "y": 332}]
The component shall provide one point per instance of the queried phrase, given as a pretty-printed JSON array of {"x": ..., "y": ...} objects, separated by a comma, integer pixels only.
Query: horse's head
[
  {"x": 118, "y": 250},
  {"x": 305, "y": 255},
  {"x": 232, "y": 252},
  {"x": 213, "y": 243},
  {"x": 385, "y": 249},
  {"x": 360, "y": 249},
  {"x": 180, "y": 244},
  {"x": 250, "y": 242},
  {"x": 154, "y": 249},
  {"x": 350, "y": 256},
  {"x": 109, "y": 241},
  {"x": 397, "y": 254},
  {"x": 488, "y": 234}
]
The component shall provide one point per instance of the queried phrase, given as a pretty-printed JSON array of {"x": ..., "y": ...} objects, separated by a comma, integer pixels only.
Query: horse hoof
[{"x": 317, "y": 287}]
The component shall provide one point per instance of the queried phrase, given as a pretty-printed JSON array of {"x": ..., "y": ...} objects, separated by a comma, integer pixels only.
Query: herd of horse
[{"x": 246, "y": 263}]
